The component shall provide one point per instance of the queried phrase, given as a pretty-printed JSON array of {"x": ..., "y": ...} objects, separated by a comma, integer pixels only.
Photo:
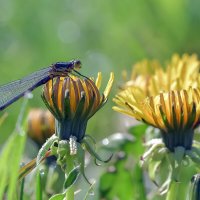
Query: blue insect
[{"x": 12, "y": 91}]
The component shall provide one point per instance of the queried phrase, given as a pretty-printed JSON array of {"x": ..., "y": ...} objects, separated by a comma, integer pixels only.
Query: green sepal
[
  {"x": 166, "y": 185},
  {"x": 93, "y": 153},
  {"x": 81, "y": 161},
  {"x": 155, "y": 163},
  {"x": 46, "y": 146},
  {"x": 153, "y": 167},
  {"x": 62, "y": 152},
  {"x": 179, "y": 154}
]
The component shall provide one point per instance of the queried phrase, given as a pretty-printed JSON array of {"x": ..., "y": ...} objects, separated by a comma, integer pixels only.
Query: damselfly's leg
[{"x": 80, "y": 74}]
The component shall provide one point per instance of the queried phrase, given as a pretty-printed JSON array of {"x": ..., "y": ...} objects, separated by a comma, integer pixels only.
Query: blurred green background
[{"x": 105, "y": 35}]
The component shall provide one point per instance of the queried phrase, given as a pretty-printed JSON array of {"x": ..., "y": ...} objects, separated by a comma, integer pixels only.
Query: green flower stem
[
  {"x": 69, "y": 168},
  {"x": 174, "y": 192}
]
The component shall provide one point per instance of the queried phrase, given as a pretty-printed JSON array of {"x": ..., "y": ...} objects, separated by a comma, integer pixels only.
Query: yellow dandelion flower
[
  {"x": 152, "y": 78},
  {"x": 175, "y": 113},
  {"x": 40, "y": 125},
  {"x": 73, "y": 101}
]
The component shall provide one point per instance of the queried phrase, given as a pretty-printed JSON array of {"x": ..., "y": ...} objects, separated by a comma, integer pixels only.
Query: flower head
[
  {"x": 152, "y": 78},
  {"x": 73, "y": 101},
  {"x": 168, "y": 101},
  {"x": 175, "y": 113},
  {"x": 40, "y": 125},
  {"x": 181, "y": 73},
  {"x": 141, "y": 75}
]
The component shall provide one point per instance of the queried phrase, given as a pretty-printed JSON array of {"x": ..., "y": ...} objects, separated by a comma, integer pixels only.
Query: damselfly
[{"x": 12, "y": 91}]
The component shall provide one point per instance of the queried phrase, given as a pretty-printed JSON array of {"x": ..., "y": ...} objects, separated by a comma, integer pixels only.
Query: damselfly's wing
[{"x": 10, "y": 92}]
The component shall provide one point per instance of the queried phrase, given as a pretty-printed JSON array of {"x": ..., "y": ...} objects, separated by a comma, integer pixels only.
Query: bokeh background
[{"x": 105, "y": 35}]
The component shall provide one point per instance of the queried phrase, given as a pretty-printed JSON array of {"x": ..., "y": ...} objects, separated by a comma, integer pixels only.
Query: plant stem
[
  {"x": 173, "y": 193},
  {"x": 69, "y": 168},
  {"x": 22, "y": 189}
]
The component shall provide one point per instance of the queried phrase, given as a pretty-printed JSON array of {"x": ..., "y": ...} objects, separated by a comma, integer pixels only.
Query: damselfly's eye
[{"x": 77, "y": 64}]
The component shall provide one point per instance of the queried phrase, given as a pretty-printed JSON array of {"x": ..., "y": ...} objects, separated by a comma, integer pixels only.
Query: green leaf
[
  {"x": 138, "y": 188},
  {"x": 72, "y": 177},
  {"x": 21, "y": 195},
  {"x": 81, "y": 160},
  {"x": 26, "y": 169},
  {"x": 125, "y": 168},
  {"x": 10, "y": 159},
  {"x": 39, "y": 186},
  {"x": 111, "y": 186},
  {"x": 106, "y": 181},
  {"x": 89, "y": 192},
  {"x": 58, "y": 197},
  {"x": 111, "y": 182},
  {"x": 138, "y": 130}
]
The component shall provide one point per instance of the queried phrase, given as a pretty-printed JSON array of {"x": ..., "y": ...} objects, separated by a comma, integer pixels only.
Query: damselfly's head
[{"x": 76, "y": 64}]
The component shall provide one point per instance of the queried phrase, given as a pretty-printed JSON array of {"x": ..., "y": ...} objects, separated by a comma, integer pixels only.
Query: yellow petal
[
  {"x": 109, "y": 85},
  {"x": 98, "y": 80}
]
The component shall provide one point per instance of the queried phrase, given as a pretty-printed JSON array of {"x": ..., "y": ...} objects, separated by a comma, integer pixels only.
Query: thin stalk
[
  {"x": 22, "y": 189},
  {"x": 174, "y": 192},
  {"x": 69, "y": 168}
]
